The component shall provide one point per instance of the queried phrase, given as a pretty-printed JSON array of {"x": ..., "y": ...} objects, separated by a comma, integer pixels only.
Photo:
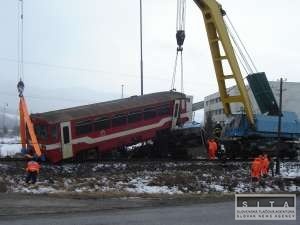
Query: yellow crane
[{"x": 218, "y": 39}]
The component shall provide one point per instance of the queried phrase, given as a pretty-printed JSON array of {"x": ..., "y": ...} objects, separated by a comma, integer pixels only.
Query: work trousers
[{"x": 31, "y": 176}]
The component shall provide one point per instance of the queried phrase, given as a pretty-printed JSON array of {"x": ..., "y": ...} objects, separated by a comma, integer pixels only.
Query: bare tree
[
  {"x": 15, "y": 130},
  {"x": 5, "y": 130}
]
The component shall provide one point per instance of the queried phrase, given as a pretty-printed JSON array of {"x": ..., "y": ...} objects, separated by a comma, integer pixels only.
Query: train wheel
[{"x": 123, "y": 152}]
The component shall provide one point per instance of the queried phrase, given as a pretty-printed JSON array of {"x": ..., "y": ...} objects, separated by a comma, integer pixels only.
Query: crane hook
[
  {"x": 180, "y": 36},
  {"x": 20, "y": 87}
]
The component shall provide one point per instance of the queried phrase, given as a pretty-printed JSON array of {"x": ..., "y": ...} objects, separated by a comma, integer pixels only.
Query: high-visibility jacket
[
  {"x": 256, "y": 168},
  {"x": 212, "y": 149},
  {"x": 265, "y": 165},
  {"x": 212, "y": 146},
  {"x": 33, "y": 166}
]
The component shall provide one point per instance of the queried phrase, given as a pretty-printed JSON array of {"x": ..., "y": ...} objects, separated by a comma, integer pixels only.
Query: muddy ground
[
  {"x": 130, "y": 179},
  {"x": 93, "y": 187}
]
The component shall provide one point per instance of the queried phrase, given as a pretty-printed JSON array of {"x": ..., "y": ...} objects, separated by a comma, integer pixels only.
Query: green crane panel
[{"x": 263, "y": 93}]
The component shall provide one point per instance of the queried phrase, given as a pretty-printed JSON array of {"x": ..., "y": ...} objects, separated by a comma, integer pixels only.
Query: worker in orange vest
[
  {"x": 261, "y": 158},
  {"x": 265, "y": 165},
  {"x": 32, "y": 169},
  {"x": 208, "y": 148},
  {"x": 256, "y": 169},
  {"x": 212, "y": 149}
]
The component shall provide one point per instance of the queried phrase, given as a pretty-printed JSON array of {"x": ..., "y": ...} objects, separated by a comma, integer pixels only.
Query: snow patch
[
  {"x": 141, "y": 186},
  {"x": 290, "y": 169},
  {"x": 36, "y": 190},
  {"x": 218, "y": 187},
  {"x": 9, "y": 146},
  {"x": 104, "y": 166}
]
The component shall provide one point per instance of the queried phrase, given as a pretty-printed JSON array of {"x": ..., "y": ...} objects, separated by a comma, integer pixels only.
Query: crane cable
[
  {"x": 18, "y": 46},
  {"x": 241, "y": 51},
  {"x": 20, "y": 75},
  {"x": 180, "y": 36},
  {"x": 174, "y": 72},
  {"x": 243, "y": 45}
]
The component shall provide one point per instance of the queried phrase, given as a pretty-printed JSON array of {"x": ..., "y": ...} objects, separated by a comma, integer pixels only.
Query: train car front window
[{"x": 176, "y": 110}]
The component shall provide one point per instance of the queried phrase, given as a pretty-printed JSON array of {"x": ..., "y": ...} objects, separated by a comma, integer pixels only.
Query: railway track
[{"x": 217, "y": 161}]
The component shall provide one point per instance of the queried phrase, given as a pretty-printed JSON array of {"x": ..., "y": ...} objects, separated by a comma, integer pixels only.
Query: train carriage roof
[{"x": 104, "y": 108}]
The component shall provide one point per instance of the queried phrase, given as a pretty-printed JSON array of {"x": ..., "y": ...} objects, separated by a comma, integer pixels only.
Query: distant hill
[
  {"x": 11, "y": 120},
  {"x": 40, "y": 100}
]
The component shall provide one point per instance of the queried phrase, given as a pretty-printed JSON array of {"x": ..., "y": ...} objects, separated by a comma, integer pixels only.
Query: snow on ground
[
  {"x": 148, "y": 178},
  {"x": 36, "y": 190},
  {"x": 9, "y": 146},
  {"x": 191, "y": 124},
  {"x": 290, "y": 169},
  {"x": 141, "y": 185}
]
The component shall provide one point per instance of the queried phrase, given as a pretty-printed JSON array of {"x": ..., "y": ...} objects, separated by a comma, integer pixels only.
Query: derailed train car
[{"x": 103, "y": 127}]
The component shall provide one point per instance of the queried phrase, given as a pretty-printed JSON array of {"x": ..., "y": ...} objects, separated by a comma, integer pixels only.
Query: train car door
[
  {"x": 175, "y": 113},
  {"x": 66, "y": 140}
]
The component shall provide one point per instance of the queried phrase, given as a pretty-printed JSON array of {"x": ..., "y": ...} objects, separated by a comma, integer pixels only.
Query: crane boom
[
  {"x": 218, "y": 37},
  {"x": 26, "y": 123}
]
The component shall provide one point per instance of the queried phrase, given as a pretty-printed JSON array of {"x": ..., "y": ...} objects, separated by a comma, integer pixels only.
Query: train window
[
  {"x": 83, "y": 127},
  {"x": 163, "y": 110},
  {"x": 176, "y": 110},
  {"x": 119, "y": 120},
  {"x": 66, "y": 135},
  {"x": 102, "y": 123},
  {"x": 149, "y": 113},
  {"x": 53, "y": 131},
  {"x": 135, "y": 117},
  {"x": 41, "y": 131}
]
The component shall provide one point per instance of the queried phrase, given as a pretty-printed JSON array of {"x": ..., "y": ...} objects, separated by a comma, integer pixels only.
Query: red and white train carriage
[{"x": 105, "y": 126}]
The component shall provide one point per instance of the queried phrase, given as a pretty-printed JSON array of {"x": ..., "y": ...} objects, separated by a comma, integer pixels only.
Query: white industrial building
[{"x": 290, "y": 101}]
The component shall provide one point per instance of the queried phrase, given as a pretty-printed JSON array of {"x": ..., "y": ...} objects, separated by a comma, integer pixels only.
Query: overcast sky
[{"x": 82, "y": 51}]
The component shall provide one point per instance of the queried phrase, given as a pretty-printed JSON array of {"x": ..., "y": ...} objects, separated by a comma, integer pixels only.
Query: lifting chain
[{"x": 180, "y": 36}]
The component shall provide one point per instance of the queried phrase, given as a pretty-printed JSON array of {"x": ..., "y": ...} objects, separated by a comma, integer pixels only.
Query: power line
[
  {"x": 47, "y": 98},
  {"x": 64, "y": 67},
  {"x": 77, "y": 69}
]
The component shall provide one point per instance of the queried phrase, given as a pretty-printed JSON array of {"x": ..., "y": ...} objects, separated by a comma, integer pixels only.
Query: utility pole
[
  {"x": 141, "y": 47},
  {"x": 4, "y": 130},
  {"x": 279, "y": 144},
  {"x": 280, "y": 109}
]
